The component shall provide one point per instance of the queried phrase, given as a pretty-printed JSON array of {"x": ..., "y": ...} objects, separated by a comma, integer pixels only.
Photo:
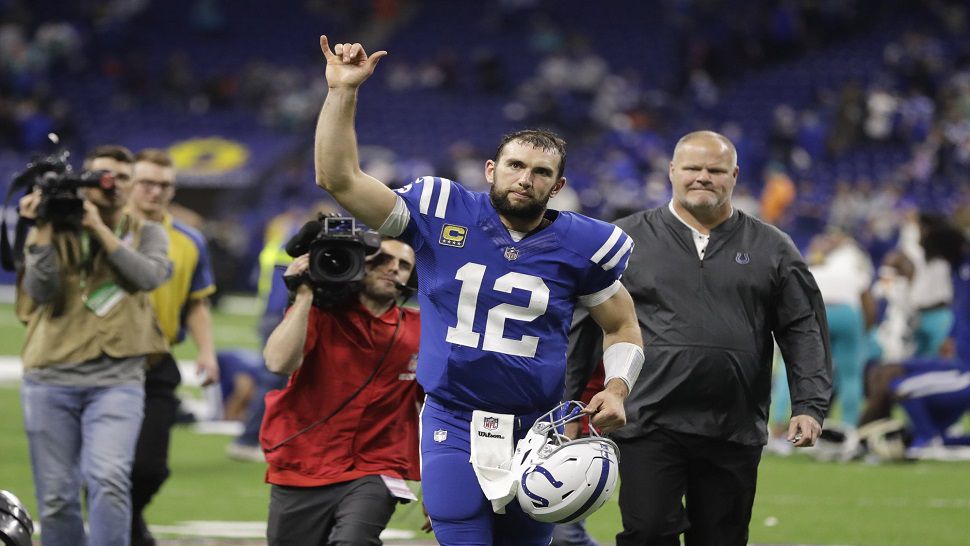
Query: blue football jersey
[{"x": 495, "y": 313}]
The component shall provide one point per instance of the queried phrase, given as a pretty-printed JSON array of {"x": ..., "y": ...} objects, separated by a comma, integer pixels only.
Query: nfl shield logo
[
  {"x": 491, "y": 423},
  {"x": 511, "y": 253},
  {"x": 440, "y": 435}
]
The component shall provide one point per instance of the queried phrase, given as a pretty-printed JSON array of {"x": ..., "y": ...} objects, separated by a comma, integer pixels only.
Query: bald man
[{"x": 712, "y": 286}]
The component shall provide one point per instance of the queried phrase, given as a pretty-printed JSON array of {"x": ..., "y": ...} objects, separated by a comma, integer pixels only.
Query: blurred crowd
[
  {"x": 908, "y": 115},
  {"x": 618, "y": 115}
]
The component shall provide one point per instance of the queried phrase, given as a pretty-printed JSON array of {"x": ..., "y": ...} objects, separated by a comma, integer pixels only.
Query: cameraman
[
  {"x": 343, "y": 435},
  {"x": 84, "y": 296}
]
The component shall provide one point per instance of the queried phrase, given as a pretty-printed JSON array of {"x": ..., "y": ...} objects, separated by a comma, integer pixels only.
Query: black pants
[
  {"x": 150, "y": 469},
  {"x": 666, "y": 470},
  {"x": 344, "y": 514}
]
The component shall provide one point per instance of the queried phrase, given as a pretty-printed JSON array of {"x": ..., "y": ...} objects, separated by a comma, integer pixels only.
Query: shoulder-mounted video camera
[
  {"x": 61, "y": 203},
  {"x": 338, "y": 249}
]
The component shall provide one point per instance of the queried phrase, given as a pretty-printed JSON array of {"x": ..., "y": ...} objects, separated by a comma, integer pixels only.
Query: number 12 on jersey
[{"x": 471, "y": 275}]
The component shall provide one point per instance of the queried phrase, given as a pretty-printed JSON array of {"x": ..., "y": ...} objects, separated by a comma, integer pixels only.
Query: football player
[{"x": 499, "y": 277}]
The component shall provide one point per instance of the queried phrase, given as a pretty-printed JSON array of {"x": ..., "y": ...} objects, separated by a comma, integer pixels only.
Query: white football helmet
[{"x": 563, "y": 480}]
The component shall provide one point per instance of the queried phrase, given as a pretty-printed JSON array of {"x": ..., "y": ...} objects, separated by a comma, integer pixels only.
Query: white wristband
[{"x": 623, "y": 360}]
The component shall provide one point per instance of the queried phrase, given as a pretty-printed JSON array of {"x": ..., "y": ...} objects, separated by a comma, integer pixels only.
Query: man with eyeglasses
[{"x": 181, "y": 305}]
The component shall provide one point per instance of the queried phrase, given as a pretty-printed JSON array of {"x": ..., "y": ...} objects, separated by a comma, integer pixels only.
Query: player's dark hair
[
  {"x": 112, "y": 151},
  {"x": 537, "y": 138},
  {"x": 940, "y": 239}
]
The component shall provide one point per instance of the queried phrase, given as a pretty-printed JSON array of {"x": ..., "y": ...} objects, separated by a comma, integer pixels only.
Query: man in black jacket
[{"x": 712, "y": 287}]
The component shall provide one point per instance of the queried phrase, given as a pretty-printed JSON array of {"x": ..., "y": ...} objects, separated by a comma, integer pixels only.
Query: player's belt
[{"x": 521, "y": 421}]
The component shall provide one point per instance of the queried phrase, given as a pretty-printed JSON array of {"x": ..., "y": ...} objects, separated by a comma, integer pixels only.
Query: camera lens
[{"x": 333, "y": 261}]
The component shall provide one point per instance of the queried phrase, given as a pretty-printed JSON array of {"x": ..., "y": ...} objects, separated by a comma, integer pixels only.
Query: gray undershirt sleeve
[
  {"x": 149, "y": 266},
  {"x": 42, "y": 281}
]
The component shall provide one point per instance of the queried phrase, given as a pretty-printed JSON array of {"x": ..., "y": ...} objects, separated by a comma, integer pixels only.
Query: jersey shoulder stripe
[
  {"x": 434, "y": 195},
  {"x": 608, "y": 245},
  {"x": 616, "y": 245},
  {"x": 624, "y": 251}
]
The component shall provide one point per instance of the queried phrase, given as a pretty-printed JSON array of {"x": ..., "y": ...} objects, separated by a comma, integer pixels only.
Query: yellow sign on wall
[{"x": 208, "y": 155}]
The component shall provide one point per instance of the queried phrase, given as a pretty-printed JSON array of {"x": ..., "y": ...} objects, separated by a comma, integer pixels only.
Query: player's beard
[{"x": 527, "y": 211}]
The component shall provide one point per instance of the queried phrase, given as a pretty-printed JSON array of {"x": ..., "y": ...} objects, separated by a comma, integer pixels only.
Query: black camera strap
[
  {"x": 11, "y": 256},
  {"x": 345, "y": 403}
]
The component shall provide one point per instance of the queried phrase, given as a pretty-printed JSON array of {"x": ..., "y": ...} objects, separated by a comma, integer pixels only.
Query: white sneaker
[
  {"x": 852, "y": 446},
  {"x": 779, "y": 446},
  {"x": 240, "y": 452}
]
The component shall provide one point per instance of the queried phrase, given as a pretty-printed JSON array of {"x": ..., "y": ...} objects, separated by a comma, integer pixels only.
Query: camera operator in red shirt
[{"x": 342, "y": 436}]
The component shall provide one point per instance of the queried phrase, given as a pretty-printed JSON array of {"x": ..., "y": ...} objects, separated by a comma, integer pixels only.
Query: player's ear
[
  {"x": 490, "y": 171},
  {"x": 560, "y": 184}
]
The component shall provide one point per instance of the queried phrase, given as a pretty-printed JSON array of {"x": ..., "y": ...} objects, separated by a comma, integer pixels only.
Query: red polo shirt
[{"x": 377, "y": 431}]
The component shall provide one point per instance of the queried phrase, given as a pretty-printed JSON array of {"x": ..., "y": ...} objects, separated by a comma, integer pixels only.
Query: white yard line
[
  {"x": 242, "y": 529},
  {"x": 952, "y": 503},
  {"x": 11, "y": 371}
]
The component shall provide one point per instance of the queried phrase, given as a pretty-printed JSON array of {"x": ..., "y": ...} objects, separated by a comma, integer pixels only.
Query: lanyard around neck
[{"x": 87, "y": 258}]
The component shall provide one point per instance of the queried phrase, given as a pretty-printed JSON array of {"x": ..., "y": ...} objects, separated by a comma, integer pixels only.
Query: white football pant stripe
[{"x": 930, "y": 383}]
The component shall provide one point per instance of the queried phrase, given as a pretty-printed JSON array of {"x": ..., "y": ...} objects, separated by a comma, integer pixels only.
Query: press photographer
[
  {"x": 83, "y": 294},
  {"x": 342, "y": 437}
]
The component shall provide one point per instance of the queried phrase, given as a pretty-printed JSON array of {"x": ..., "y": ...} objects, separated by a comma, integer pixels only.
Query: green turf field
[{"x": 799, "y": 501}]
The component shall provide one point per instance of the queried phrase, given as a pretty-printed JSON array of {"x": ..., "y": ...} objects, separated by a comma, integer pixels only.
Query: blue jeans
[{"x": 83, "y": 436}]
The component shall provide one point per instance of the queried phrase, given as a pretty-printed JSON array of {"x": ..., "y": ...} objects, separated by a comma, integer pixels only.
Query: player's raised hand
[{"x": 348, "y": 65}]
